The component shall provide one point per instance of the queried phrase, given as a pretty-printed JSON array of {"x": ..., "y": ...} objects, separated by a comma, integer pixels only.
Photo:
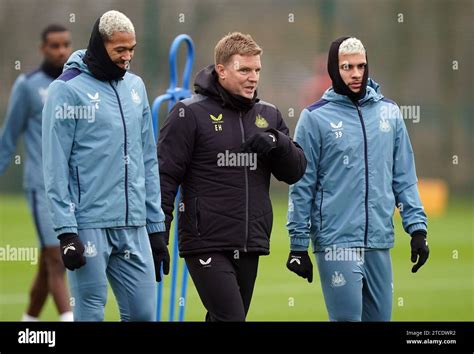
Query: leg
[
  {"x": 341, "y": 281},
  {"x": 131, "y": 273},
  {"x": 56, "y": 279},
  {"x": 246, "y": 266},
  {"x": 216, "y": 282},
  {"x": 39, "y": 290},
  {"x": 52, "y": 269},
  {"x": 378, "y": 286},
  {"x": 89, "y": 283}
]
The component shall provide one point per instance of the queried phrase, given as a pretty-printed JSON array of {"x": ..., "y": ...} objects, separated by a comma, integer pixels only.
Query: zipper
[
  {"x": 124, "y": 151},
  {"x": 321, "y": 211},
  {"x": 78, "y": 186},
  {"x": 246, "y": 187},
  {"x": 196, "y": 216},
  {"x": 366, "y": 174}
]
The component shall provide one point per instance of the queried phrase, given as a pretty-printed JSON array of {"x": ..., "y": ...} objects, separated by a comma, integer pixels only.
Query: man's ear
[{"x": 220, "y": 69}]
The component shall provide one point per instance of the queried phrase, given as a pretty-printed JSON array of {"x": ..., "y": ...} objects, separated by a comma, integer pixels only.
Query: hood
[
  {"x": 75, "y": 61},
  {"x": 205, "y": 83},
  {"x": 97, "y": 59},
  {"x": 372, "y": 94}
]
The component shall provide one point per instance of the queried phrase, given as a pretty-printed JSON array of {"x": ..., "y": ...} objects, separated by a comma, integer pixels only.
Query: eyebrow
[
  {"x": 125, "y": 47},
  {"x": 349, "y": 64},
  {"x": 248, "y": 68}
]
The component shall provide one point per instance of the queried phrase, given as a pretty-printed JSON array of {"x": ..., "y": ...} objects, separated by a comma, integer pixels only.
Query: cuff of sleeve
[
  {"x": 66, "y": 230},
  {"x": 415, "y": 227},
  {"x": 299, "y": 243},
  {"x": 155, "y": 227}
]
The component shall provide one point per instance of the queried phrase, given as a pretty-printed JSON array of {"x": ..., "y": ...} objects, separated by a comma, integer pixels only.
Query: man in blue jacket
[
  {"x": 24, "y": 117},
  {"x": 360, "y": 166},
  {"x": 101, "y": 176}
]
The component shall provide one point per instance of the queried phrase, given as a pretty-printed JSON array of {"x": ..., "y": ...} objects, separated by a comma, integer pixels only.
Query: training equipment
[{"x": 174, "y": 94}]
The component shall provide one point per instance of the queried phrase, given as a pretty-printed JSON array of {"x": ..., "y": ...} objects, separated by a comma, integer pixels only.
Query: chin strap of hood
[
  {"x": 337, "y": 82},
  {"x": 97, "y": 59}
]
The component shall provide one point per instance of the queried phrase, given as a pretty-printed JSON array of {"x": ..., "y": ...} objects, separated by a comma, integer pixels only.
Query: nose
[
  {"x": 253, "y": 77},
  {"x": 356, "y": 73},
  {"x": 63, "y": 51},
  {"x": 127, "y": 56}
]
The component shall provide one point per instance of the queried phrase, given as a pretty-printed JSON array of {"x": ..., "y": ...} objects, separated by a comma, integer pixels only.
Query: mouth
[
  {"x": 124, "y": 65},
  {"x": 355, "y": 85},
  {"x": 249, "y": 89}
]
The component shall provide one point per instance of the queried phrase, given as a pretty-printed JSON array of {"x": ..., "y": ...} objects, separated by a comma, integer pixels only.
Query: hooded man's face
[
  {"x": 351, "y": 69},
  {"x": 120, "y": 48}
]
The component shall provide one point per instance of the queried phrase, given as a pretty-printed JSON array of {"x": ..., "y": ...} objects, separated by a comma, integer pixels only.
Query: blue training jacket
[
  {"x": 24, "y": 117},
  {"x": 99, "y": 152},
  {"x": 360, "y": 166}
]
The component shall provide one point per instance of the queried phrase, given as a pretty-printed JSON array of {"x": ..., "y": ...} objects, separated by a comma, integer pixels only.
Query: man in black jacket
[{"x": 221, "y": 146}]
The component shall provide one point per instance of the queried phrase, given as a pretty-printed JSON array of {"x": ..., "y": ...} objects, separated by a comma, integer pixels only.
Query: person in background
[{"x": 24, "y": 117}]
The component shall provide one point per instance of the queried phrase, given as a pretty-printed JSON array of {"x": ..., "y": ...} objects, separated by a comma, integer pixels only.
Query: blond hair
[
  {"x": 351, "y": 45},
  {"x": 114, "y": 21},
  {"x": 235, "y": 43}
]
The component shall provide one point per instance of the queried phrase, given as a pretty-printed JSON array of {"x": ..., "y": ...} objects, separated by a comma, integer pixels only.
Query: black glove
[
  {"x": 261, "y": 143},
  {"x": 419, "y": 249},
  {"x": 300, "y": 263},
  {"x": 160, "y": 253},
  {"x": 72, "y": 251}
]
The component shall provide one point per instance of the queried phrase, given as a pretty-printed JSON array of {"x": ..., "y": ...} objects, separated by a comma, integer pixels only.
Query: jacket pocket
[
  {"x": 78, "y": 185},
  {"x": 321, "y": 210},
  {"x": 197, "y": 216}
]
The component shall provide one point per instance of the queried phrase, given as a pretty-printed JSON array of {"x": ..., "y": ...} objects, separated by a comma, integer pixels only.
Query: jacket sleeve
[
  {"x": 155, "y": 218},
  {"x": 15, "y": 121},
  {"x": 289, "y": 162},
  {"x": 302, "y": 193},
  {"x": 175, "y": 150},
  {"x": 405, "y": 182},
  {"x": 57, "y": 139}
]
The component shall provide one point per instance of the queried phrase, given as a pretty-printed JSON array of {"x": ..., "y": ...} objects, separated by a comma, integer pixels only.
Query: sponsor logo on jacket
[
  {"x": 337, "y": 129},
  {"x": 94, "y": 99},
  {"x": 261, "y": 122},
  {"x": 217, "y": 122},
  {"x": 136, "y": 97}
]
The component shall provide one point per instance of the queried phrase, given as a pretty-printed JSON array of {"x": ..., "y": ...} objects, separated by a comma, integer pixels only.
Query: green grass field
[{"x": 443, "y": 290}]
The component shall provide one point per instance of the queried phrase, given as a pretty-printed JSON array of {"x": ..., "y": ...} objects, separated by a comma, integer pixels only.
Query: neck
[{"x": 51, "y": 70}]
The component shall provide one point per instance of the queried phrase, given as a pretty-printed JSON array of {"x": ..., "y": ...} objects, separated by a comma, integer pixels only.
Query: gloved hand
[
  {"x": 419, "y": 249},
  {"x": 160, "y": 252},
  {"x": 300, "y": 263},
  {"x": 72, "y": 251},
  {"x": 261, "y": 143}
]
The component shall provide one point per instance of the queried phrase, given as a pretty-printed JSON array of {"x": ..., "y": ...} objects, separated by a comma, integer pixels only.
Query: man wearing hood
[
  {"x": 101, "y": 176},
  {"x": 360, "y": 166},
  {"x": 221, "y": 146},
  {"x": 24, "y": 117}
]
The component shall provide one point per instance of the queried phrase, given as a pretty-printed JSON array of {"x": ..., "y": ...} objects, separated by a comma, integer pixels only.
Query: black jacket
[{"x": 222, "y": 208}]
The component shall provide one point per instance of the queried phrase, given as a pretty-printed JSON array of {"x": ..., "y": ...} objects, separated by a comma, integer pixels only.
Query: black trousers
[{"x": 225, "y": 282}]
